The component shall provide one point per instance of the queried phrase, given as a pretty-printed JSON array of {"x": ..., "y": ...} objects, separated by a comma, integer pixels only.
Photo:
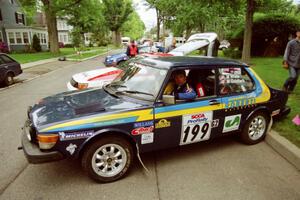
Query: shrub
[
  {"x": 4, "y": 47},
  {"x": 36, "y": 43},
  {"x": 69, "y": 45},
  {"x": 270, "y": 34},
  {"x": 61, "y": 45},
  {"x": 234, "y": 53}
]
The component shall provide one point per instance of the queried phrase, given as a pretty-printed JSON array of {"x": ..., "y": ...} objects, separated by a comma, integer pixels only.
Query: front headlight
[{"x": 82, "y": 86}]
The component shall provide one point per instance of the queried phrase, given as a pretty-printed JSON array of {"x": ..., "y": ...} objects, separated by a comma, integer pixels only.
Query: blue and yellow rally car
[{"x": 138, "y": 113}]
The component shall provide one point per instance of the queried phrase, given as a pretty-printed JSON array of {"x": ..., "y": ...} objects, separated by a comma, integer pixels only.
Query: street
[{"x": 220, "y": 169}]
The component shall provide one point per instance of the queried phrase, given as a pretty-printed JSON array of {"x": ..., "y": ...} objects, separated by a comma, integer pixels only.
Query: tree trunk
[
  {"x": 117, "y": 38},
  {"x": 158, "y": 25},
  {"x": 246, "y": 55},
  {"x": 51, "y": 25}
]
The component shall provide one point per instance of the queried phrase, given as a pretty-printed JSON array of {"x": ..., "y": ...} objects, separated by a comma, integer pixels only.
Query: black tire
[
  {"x": 89, "y": 159},
  {"x": 255, "y": 129},
  {"x": 9, "y": 79}
]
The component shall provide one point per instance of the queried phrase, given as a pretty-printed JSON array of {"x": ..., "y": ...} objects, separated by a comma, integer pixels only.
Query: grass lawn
[
  {"x": 88, "y": 54},
  {"x": 270, "y": 70},
  {"x": 31, "y": 57}
]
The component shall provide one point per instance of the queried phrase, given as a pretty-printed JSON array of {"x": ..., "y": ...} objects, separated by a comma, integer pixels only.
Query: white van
[{"x": 125, "y": 40}]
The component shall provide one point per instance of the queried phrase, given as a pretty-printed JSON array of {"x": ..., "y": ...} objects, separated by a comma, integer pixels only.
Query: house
[
  {"x": 64, "y": 31},
  {"x": 14, "y": 30}
]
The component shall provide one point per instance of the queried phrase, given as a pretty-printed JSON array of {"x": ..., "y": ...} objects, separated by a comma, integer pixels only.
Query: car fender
[
  {"x": 101, "y": 133},
  {"x": 264, "y": 109}
]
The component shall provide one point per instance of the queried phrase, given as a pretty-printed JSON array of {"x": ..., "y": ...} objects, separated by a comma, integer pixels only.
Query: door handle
[{"x": 214, "y": 102}]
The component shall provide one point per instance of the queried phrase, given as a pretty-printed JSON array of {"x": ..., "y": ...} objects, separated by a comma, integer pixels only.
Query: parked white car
[{"x": 99, "y": 77}]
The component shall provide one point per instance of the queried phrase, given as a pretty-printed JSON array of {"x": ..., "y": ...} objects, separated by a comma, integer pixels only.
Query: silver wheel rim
[
  {"x": 10, "y": 80},
  {"x": 109, "y": 160},
  {"x": 257, "y": 127}
]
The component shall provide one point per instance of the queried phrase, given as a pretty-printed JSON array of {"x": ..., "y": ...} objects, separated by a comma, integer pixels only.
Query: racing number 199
[{"x": 195, "y": 131}]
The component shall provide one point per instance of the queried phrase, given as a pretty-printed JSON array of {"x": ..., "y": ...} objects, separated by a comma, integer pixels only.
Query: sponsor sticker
[
  {"x": 143, "y": 124},
  {"x": 142, "y": 130},
  {"x": 147, "y": 138},
  {"x": 215, "y": 123},
  {"x": 163, "y": 123},
  {"x": 232, "y": 123},
  {"x": 63, "y": 136},
  {"x": 71, "y": 148}
]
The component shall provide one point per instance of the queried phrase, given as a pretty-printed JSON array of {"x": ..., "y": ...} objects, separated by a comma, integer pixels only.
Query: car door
[
  {"x": 187, "y": 122},
  {"x": 3, "y": 69}
]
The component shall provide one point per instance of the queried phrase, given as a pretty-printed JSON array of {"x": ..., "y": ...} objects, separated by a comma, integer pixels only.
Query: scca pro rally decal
[
  {"x": 75, "y": 135},
  {"x": 196, "y": 127}
]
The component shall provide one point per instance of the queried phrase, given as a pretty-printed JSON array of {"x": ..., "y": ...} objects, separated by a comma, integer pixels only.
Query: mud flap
[{"x": 139, "y": 157}]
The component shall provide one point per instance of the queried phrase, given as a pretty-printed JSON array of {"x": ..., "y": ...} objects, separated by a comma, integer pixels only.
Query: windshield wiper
[
  {"x": 117, "y": 85},
  {"x": 134, "y": 92}
]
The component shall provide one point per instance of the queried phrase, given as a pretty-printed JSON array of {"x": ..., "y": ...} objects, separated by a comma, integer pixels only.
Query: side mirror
[{"x": 168, "y": 99}]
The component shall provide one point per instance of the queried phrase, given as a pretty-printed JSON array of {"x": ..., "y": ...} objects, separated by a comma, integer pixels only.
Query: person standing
[
  {"x": 172, "y": 46},
  {"x": 292, "y": 62},
  {"x": 132, "y": 49}
]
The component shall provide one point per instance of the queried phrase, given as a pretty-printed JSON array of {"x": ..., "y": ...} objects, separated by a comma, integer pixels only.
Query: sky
[{"x": 147, "y": 15}]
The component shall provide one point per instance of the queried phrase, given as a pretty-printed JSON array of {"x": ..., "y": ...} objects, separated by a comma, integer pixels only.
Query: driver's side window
[{"x": 190, "y": 84}]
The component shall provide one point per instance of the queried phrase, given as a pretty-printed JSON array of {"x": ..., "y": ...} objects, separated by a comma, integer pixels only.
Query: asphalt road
[{"x": 220, "y": 169}]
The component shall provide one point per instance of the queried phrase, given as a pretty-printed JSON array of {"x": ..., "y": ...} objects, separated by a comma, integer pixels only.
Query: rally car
[
  {"x": 106, "y": 128},
  {"x": 99, "y": 77}
]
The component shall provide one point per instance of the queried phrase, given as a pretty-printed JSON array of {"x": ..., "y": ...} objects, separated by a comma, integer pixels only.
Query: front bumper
[
  {"x": 110, "y": 64},
  {"x": 283, "y": 112},
  {"x": 34, "y": 154}
]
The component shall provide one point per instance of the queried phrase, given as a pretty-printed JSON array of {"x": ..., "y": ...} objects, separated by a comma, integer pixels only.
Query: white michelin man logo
[{"x": 71, "y": 148}]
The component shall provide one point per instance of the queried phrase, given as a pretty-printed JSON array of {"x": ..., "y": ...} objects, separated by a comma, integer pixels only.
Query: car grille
[{"x": 74, "y": 83}]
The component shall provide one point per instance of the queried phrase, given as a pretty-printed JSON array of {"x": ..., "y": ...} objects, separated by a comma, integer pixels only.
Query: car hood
[
  {"x": 103, "y": 74},
  {"x": 68, "y": 106}
]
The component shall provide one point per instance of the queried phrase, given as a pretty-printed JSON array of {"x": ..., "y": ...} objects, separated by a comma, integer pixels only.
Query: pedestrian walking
[
  {"x": 292, "y": 62},
  {"x": 132, "y": 49}
]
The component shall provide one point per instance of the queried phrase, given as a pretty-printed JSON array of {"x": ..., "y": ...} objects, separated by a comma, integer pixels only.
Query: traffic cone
[{"x": 296, "y": 120}]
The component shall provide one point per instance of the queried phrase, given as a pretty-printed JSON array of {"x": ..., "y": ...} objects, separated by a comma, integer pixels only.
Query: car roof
[{"x": 190, "y": 61}]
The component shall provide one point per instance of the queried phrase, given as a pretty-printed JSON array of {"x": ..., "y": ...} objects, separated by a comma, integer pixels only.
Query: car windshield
[{"x": 140, "y": 81}]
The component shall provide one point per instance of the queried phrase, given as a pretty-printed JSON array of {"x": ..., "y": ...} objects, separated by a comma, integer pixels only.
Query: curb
[{"x": 284, "y": 147}]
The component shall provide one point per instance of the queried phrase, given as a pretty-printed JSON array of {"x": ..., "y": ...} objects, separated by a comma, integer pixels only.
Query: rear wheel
[
  {"x": 9, "y": 79},
  {"x": 255, "y": 128},
  {"x": 107, "y": 159}
]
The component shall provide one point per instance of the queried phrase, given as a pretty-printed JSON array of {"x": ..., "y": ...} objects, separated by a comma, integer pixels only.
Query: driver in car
[{"x": 182, "y": 90}]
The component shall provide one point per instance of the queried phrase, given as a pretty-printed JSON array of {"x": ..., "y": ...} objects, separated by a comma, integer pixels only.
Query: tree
[
  {"x": 51, "y": 9},
  {"x": 85, "y": 18},
  {"x": 134, "y": 27},
  {"x": 116, "y": 13},
  {"x": 248, "y": 31}
]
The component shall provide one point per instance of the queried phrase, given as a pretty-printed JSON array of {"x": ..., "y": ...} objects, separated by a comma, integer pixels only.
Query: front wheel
[
  {"x": 255, "y": 128},
  {"x": 9, "y": 79},
  {"x": 107, "y": 159}
]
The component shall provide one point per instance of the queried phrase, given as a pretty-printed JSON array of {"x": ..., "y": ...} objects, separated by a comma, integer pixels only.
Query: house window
[
  {"x": 1, "y": 38},
  {"x": 12, "y": 1},
  {"x": 0, "y": 15},
  {"x": 18, "y": 38},
  {"x": 44, "y": 39},
  {"x": 65, "y": 38},
  {"x": 11, "y": 38},
  {"x": 19, "y": 18},
  {"x": 25, "y": 37}
]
